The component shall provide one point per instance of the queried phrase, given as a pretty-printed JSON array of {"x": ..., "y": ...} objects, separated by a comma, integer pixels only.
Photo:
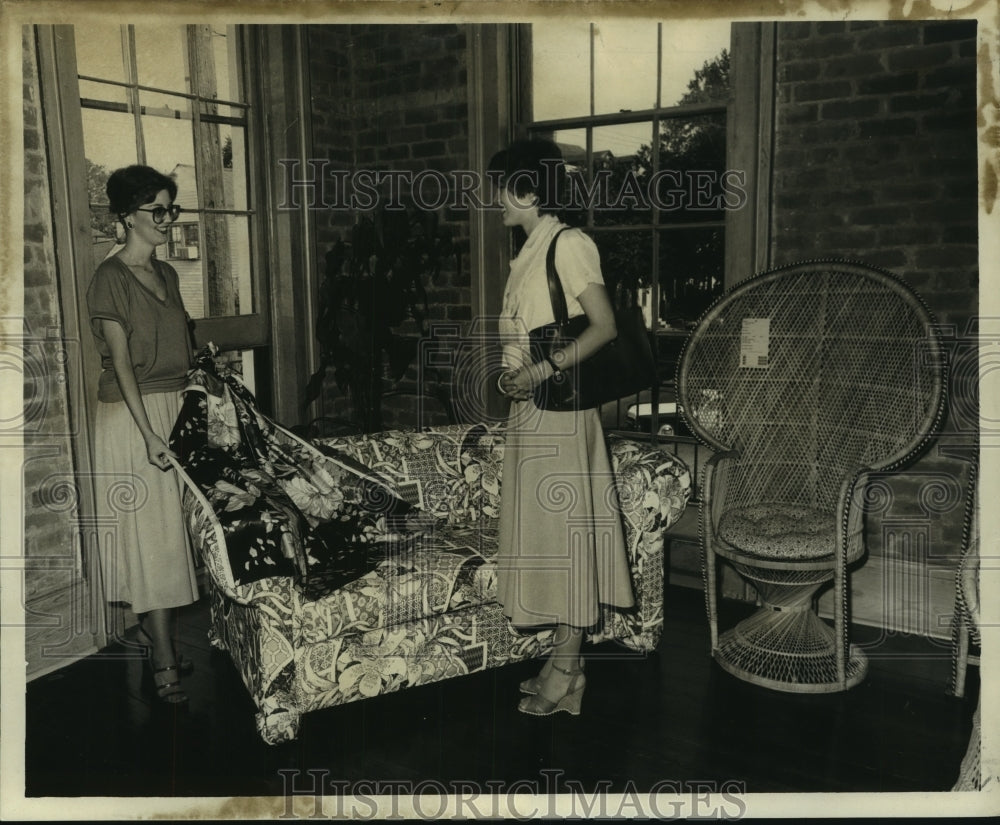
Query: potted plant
[{"x": 373, "y": 284}]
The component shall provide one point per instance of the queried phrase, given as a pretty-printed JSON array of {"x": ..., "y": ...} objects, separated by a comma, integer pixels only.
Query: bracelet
[
  {"x": 500, "y": 379},
  {"x": 554, "y": 365}
]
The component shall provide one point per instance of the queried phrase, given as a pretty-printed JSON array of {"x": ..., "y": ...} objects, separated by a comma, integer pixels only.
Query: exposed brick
[
  {"x": 965, "y": 233},
  {"x": 943, "y": 166},
  {"x": 918, "y": 57},
  {"x": 824, "y": 90},
  {"x": 964, "y": 122},
  {"x": 873, "y": 151},
  {"x": 827, "y": 132},
  {"x": 888, "y": 84},
  {"x": 850, "y": 239},
  {"x": 845, "y": 198},
  {"x": 911, "y": 190},
  {"x": 859, "y": 108},
  {"x": 917, "y": 102},
  {"x": 35, "y": 233},
  {"x": 906, "y": 235},
  {"x": 794, "y": 31},
  {"x": 876, "y": 215},
  {"x": 942, "y": 211},
  {"x": 444, "y": 129},
  {"x": 888, "y": 127},
  {"x": 801, "y": 70},
  {"x": 859, "y": 65},
  {"x": 950, "y": 30},
  {"x": 786, "y": 157},
  {"x": 819, "y": 47},
  {"x": 459, "y": 313},
  {"x": 948, "y": 255},
  {"x": 890, "y": 34},
  {"x": 887, "y": 258},
  {"x": 836, "y": 27}
]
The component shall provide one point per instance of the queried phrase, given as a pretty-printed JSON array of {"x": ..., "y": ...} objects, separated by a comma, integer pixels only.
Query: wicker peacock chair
[{"x": 804, "y": 379}]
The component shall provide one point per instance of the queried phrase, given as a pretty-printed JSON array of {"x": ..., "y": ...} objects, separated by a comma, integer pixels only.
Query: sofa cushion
[
  {"x": 779, "y": 531},
  {"x": 443, "y": 570}
]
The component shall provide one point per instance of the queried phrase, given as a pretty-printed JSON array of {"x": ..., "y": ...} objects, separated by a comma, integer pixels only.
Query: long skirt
[
  {"x": 146, "y": 559},
  {"x": 562, "y": 549}
]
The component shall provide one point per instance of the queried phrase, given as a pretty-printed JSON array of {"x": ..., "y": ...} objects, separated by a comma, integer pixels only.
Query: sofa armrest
[
  {"x": 209, "y": 541},
  {"x": 654, "y": 487}
]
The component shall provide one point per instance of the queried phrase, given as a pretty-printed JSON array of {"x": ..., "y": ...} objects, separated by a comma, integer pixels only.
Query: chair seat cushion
[
  {"x": 444, "y": 570},
  {"x": 779, "y": 531}
]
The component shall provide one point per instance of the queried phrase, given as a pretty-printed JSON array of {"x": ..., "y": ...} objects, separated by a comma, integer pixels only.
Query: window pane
[
  {"x": 104, "y": 95},
  {"x": 108, "y": 144},
  {"x": 624, "y": 65},
  {"x": 615, "y": 159},
  {"x": 226, "y": 60},
  {"x": 222, "y": 164},
  {"x": 560, "y": 68},
  {"x": 102, "y": 231},
  {"x": 160, "y": 59},
  {"x": 626, "y": 263},
  {"x": 99, "y": 51},
  {"x": 213, "y": 262},
  {"x": 691, "y": 273},
  {"x": 687, "y": 48},
  {"x": 692, "y": 163},
  {"x": 166, "y": 130},
  {"x": 233, "y": 166}
]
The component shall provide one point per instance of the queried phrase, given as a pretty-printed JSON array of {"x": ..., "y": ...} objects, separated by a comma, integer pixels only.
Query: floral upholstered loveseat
[{"x": 347, "y": 568}]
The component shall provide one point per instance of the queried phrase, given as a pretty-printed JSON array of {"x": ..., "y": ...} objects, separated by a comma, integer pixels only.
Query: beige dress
[
  {"x": 562, "y": 549},
  {"x": 146, "y": 559}
]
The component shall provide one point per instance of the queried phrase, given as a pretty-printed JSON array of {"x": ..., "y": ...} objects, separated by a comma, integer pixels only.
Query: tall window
[
  {"x": 639, "y": 111},
  {"x": 173, "y": 97}
]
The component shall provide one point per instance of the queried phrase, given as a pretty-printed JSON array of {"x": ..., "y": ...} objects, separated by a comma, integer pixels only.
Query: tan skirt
[
  {"x": 146, "y": 559},
  {"x": 562, "y": 549}
]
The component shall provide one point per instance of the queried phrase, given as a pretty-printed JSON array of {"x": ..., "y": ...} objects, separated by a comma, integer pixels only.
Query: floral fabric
[
  {"x": 284, "y": 507},
  {"x": 426, "y": 608}
]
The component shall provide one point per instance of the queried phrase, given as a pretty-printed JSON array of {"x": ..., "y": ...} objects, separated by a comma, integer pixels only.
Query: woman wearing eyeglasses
[{"x": 141, "y": 331}]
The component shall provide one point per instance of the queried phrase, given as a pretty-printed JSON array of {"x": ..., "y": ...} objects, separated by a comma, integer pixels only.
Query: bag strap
[{"x": 556, "y": 294}]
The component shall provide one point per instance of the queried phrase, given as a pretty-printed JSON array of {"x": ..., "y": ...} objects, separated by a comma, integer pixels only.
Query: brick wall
[
  {"x": 53, "y": 584},
  {"x": 394, "y": 97},
  {"x": 875, "y": 159}
]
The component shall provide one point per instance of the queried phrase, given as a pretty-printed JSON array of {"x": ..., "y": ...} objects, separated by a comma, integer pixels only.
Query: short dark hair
[
  {"x": 132, "y": 186},
  {"x": 532, "y": 166}
]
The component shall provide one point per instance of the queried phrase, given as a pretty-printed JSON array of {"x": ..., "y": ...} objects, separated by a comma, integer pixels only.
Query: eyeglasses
[{"x": 159, "y": 213}]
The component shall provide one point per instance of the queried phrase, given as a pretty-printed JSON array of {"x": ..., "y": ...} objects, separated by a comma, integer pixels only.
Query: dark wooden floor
[{"x": 92, "y": 729}]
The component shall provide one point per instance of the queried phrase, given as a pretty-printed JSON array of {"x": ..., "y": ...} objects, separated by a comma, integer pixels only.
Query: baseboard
[
  {"x": 59, "y": 664},
  {"x": 900, "y": 596}
]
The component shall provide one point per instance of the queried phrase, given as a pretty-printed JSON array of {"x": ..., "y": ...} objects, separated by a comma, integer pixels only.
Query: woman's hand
[
  {"x": 520, "y": 384},
  {"x": 157, "y": 452}
]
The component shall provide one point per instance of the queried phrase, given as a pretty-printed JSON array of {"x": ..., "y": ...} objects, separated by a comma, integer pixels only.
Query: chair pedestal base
[{"x": 792, "y": 651}]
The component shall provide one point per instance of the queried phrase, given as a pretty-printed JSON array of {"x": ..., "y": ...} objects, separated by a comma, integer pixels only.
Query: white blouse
[{"x": 526, "y": 303}]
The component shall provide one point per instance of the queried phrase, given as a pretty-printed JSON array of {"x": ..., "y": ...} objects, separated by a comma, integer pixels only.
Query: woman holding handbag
[{"x": 562, "y": 550}]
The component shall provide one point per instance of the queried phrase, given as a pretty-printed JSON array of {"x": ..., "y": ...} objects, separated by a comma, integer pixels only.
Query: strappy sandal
[
  {"x": 530, "y": 686},
  {"x": 184, "y": 664},
  {"x": 170, "y": 693},
  {"x": 570, "y": 701}
]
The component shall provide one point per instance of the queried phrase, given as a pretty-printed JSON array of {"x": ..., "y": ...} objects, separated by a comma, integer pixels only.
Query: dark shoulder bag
[{"x": 621, "y": 367}]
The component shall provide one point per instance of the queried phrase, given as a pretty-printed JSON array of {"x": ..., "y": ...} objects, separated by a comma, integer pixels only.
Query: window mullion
[{"x": 132, "y": 77}]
